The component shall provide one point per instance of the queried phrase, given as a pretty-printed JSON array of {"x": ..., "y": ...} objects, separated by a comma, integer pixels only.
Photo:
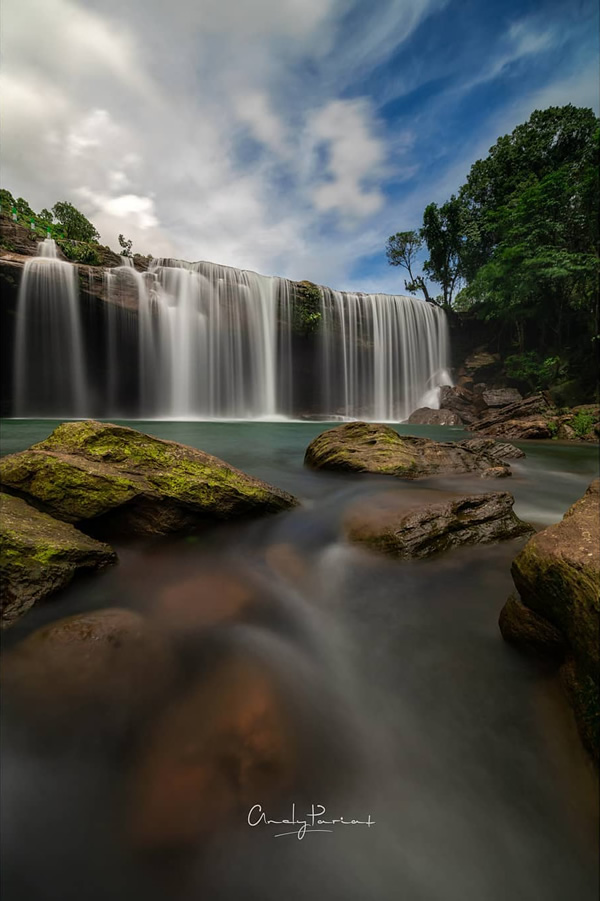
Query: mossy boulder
[
  {"x": 369, "y": 447},
  {"x": 39, "y": 555},
  {"x": 384, "y": 524},
  {"x": 557, "y": 575},
  {"x": 113, "y": 479}
]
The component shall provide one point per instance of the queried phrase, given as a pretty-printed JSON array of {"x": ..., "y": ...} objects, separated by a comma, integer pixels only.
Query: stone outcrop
[
  {"x": 530, "y": 418},
  {"x": 501, "y": 397},
  {"x": 368, "y": 447},
  {"x": 468, "y": 405},
  {"x": 112, "y": 479},
  {"x": 557, "y": 576},
  {"x": 427, "y": 416},
  {"x": 39, "y": 555},
  {"x": 497, "y": 450},
  {"x": 432, "y": 528}
]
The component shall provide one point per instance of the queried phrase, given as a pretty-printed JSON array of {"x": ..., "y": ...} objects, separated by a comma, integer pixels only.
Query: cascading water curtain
[
  {"x": 49, "y": 362},
  {"x": 202, "y": 341},
  {"x": 382, "y": 356}
]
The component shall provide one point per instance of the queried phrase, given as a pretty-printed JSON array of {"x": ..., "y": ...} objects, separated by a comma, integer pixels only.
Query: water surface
[{"x": 405, "y": 702}]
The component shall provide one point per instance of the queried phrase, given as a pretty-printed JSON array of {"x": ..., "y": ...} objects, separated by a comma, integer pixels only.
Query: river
[{"x": 405, "y": 705}]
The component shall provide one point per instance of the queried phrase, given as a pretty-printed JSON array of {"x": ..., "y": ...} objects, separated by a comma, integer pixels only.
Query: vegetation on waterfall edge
[{"x": 518, "y": 246}]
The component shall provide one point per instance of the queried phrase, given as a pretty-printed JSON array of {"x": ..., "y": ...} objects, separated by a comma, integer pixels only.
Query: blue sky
[{"x": 286, "y": 136}]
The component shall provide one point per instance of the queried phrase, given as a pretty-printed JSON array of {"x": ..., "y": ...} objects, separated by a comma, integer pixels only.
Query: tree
[
  {"x": 125, "y": 246},
  {"x": 401, "y": 250},
  {"x": 443, "y": 232},
  {"x": 7, "y": 202},
  {"x": 74, "y": 224},
  {"x": 549, "y": 140},
  {"x": 46, "y": 216}
]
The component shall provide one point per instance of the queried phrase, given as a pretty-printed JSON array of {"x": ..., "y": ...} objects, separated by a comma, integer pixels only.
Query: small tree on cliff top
[{"x": 74, "y": 224}]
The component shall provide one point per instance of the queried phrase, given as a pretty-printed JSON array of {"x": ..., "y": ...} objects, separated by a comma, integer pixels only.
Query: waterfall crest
[{"x": 204, "y": 341}]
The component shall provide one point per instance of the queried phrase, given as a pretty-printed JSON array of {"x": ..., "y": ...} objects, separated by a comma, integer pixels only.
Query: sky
[{"x": 291, "y": 137}]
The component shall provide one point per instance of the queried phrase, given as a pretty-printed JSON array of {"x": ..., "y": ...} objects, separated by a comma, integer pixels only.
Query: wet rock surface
[
  {"x": 429, "y": 529},
  {"x": 116, "y": 480},
  {"x": 368, "y": 447},
  {"x": 40, "y": 555},
  {"x": 427, "y": 416},
  {"x": 557, "y": 575}
]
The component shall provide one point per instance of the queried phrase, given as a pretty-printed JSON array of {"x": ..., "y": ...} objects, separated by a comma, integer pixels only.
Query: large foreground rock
[
  {"x": 422, "y": 531},
  {"x": 368, "y": 447},
  {"x": 111, "y": 478},
  {"x": 39, "y": 555},
  {"x": 557, "y": 575}
]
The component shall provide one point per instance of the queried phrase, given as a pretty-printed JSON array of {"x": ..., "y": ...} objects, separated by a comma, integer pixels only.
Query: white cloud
[{"x": 355, "y": 158}]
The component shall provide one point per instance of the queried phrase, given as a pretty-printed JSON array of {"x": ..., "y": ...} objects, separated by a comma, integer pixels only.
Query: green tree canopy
[{"x": 74, "y": 224}]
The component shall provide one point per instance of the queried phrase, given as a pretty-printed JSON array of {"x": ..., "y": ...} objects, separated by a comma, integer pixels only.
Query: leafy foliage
[
  {"x": 521, "y": 241},
  {"x": 125, "y": 246},
  {"x": 401, "y": 250},
  {"x": 582, "y": 423},
  {"x": 73, "y": 223},
  {"x": 307, "y": 308},
  {"x": 79, "y": 251}
]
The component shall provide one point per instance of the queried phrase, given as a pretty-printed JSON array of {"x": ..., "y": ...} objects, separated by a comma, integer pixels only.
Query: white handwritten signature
[{"x": 312, "y": 820}]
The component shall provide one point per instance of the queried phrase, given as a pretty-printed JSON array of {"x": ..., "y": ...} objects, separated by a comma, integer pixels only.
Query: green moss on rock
[
  {"x": 114, "y": 477},
  {"x": 371, "y": 447},
  {"x": 557, "y": 575},
  {"x": 39, "y": 555}
]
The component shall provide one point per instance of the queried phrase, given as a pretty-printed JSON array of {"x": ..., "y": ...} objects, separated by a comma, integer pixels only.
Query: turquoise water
[{"x": 407, "y": 704}]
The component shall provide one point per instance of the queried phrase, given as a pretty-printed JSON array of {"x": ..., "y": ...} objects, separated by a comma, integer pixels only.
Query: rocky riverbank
[{"x": 555, "y": 614}]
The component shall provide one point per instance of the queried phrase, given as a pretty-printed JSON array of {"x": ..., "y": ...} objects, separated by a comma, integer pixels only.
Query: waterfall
[
  {"x": 208, "y": 343},
  {"x": 382, "y": 355},
  {"x": 49, "y": 370},
  {"x": 204, "y": 341}
]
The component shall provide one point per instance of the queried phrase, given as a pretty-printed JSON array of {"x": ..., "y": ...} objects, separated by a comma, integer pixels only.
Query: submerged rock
[
  {"x": 368, "y": 447},
  {"x": 225, "y": 745},
  {"x": 89, "y": 676},
  {"x": 39, "y": 555},
  {"x": 557, "y": 575},
  {"x": 432, "y": 528},
  {"x": 427, "y": 416},
  {"x": 111, "y": 478}
]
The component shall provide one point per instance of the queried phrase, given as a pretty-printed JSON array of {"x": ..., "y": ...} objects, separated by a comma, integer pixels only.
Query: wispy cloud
[{"x": 255, "y": 134}]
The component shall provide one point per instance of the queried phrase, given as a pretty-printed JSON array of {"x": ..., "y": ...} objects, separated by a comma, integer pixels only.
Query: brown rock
[
  {"x": 557, "y": 575},
  {"x": 88, "y": 676},
  {"x": 368, "y": 447},
  {"x": 221, "y": 748},
  {"x": 466, "y": 404},
  {"x": 427, "y": 416},
  {"x": 527, "y": 631},
  {"x": 528, "y": 419},
  {"x": 501, "y": 397},
  {"x": 420, "y": 532}
]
